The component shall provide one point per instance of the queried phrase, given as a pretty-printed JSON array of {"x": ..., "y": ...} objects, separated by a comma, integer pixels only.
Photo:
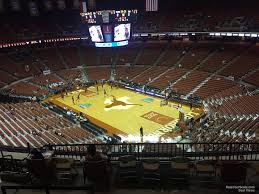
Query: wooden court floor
[{"x": 122, "y": 111}]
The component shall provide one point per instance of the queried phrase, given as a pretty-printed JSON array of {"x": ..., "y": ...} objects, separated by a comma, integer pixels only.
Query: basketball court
[{"x": 123, "y": 111}]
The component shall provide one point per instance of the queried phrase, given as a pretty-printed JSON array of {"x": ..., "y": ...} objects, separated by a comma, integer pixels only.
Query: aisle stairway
[
  {"x": 162, "y": 54},
  {"x": 195, "y": 68},
  {"x": 250, "y": 73},
  {"x": 138, "y": 55},
  {"x": 212, "y": 75},
  {"x": 63, "y": 61},
  {"x": 38, "y": 85},
  {"x": 80, "y": 54},
  {"x": 160, "y": 75},
  {"x": 142, "y": 73}
]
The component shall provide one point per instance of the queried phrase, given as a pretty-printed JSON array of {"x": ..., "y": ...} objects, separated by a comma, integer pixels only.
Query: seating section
[
  {"x": 71, "y": 56},
  {"x": 9, "y": 65},
  {"x": 223, "y": 55},
  {"x": 27, "y": 89},
  {"x": 88, "y": 55},
  {"x": 69, "y": 74},
  {"x": 228, "y": 93},
  {"x": 214, "y": 86},
  {"x": 50, "y": 58},
  {"x": 247, "y": 62},
  {"x": 6, "y": 77},
  {"x": 148, "y": 21},
  {"x": 196, "y": 55},
  {"x": 173, "y": 53},
  {"x": 150, "y": 74},
  {"x": 167, "y": 22},
  {"x": 46, "y": 80},
  {"x": 192, "y": 22},
  {"x": 129, "y": 53},
  {"x": 150, "y": 53},
  {"x": 227, "y": 131},
  {"x": 98, "y": 73},
  {"x": 30, "y": 122},
  {"x": 107, "y": 57},
  {"x": 185, "y": 85},
  {"x": 239, "y": 105},
  {"x": 253, "y": 79},
  {"x": 170, "y": 76},
  {"x": 128, "y": 73},
  {"x": 213, "y": 56}
]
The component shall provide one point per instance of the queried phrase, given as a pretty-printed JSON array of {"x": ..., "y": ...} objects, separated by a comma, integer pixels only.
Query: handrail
[{"x": 163, "y": 151}]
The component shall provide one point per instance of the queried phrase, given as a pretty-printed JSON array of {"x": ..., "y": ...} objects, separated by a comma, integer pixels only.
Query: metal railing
[{"x": 164, "y": 151}]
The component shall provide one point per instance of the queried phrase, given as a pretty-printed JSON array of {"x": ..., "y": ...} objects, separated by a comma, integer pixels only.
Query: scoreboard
[
  {"x": 109, "y": 28},
  {"x": 109, "y": 16},
  {"x": 123, "y": 16},
  {"x": 92, "y": 17},
  {"x": 110, "y": 35}
]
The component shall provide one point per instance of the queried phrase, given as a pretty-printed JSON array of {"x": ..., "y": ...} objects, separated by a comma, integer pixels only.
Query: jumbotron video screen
[
  {"x": 122, "y": 32},
  {"x": 110, "y": 33},
  {"x": 109, "y": 28}
]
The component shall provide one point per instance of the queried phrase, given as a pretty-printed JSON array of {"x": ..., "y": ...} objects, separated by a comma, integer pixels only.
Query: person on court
[
  {"x": 62, "y": 95},
  {"x": 97, "y": 89},
  {"x": 141, "y": 133},
  {"x": 104, "y": 92},
  {"x": 78, "y": 97},
  {"x": 73, "y": 100}
]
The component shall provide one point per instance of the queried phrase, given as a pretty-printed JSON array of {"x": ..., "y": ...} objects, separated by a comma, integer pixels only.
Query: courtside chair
[
  {"x": 42, "y": 170},
  {"x": 205, "y": 172},
  {"x": 65, "y": 169},
  {"x": 128, "y": 169},
  {"x": 151, "y": 175},
  {"x": 233, "y": 173},
  {"x": 13, "y": 170},
  {"x": 253, "y": 172},
  {"x": 98, "y": 173},
  {"x": 179, "y": 173}
]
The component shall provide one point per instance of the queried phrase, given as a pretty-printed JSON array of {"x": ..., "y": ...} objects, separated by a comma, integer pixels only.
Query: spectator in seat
[
  {"x": 93, "y": 155},
  {"x": 36, "y": 154}
]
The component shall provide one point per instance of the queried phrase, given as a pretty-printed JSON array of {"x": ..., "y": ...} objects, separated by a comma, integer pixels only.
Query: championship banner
[
  {"x": 83, "y": 8},
  {"x": 15, "y": 5},
  {"x": 151, "y": 5}
]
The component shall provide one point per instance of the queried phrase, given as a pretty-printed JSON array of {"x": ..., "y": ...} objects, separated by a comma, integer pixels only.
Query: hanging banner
[{"x": 15, "y": 5}]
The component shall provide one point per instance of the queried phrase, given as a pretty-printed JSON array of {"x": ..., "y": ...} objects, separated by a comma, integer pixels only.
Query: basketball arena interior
[{"x": 123, "y": 96}]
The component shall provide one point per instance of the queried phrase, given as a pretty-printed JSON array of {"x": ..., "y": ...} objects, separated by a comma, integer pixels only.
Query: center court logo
[
  {"x": 121, "y": 103},
  {"x": 157, "y": 118}
]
